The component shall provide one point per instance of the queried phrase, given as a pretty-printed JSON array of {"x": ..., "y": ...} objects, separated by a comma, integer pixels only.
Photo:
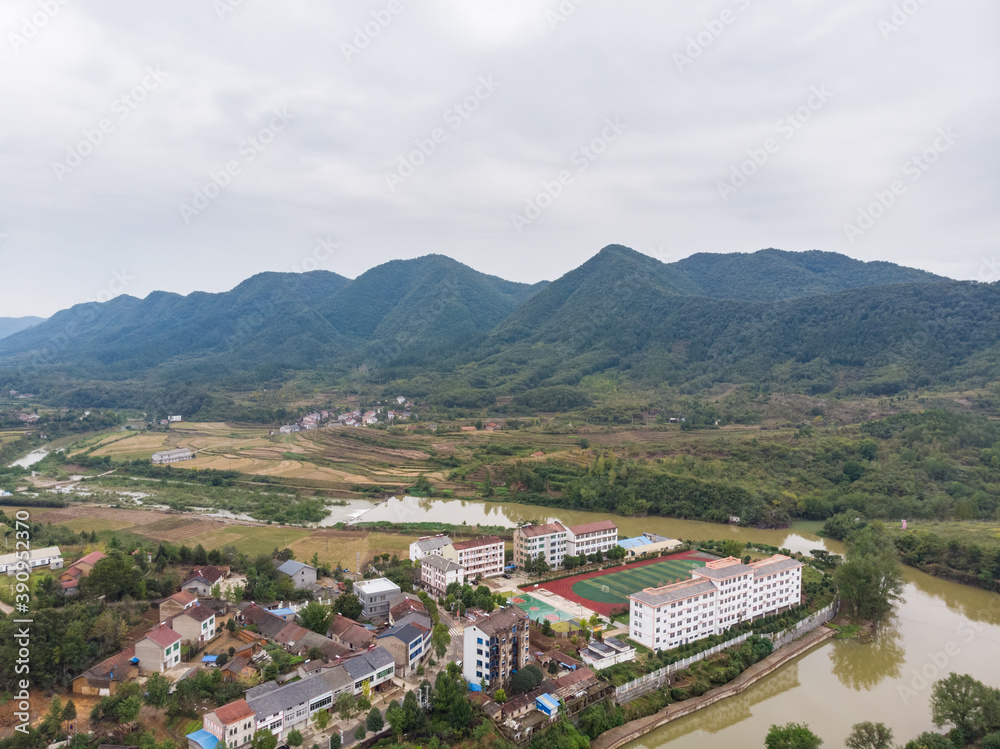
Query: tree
[
  {"x": 360, "y": 734},
  {"x": 414, "y": 717},
  {"x": 52, "y": 722},
  {"x": 295, "y": 737},
  {"x": 335, "y": 742},
  {"x": 396, "y": 718},
  {"x": 440, "y": 639},
  {"x": 871, "y": 580},
  {"x": 791, "y": 736},
  {"x": 69, "y": 712},
  {"x": 348, "y": 605},
  {"x": 321, "y": 720},
  {"x": 616, "y": 552},
  {"x": 114, "y": 577},
  {"x": 732, "y": 548},
  {"x": 930, "y": 741},
  {"x": 500, "y": 696},
  {"x": 364, "y": 703},
  {"x": 128, "y": 709},
  {"x": 553, "y": 667},
  {"x": 345, "y": 705},
  {"x": 969, "y": 705},
  {"x": 264, "y": 739},
  {"x": 868, "y": 735},
  {"x": 374, "y": 721},
  {"x": 526, "y": 679},
  {"x": 540, "y": 566},
  {"x": 157, "y": 691},
  {"x": 316, "y": 616}
]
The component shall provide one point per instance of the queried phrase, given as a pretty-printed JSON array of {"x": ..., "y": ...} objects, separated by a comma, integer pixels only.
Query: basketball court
[{"x": 538, "y": 610}]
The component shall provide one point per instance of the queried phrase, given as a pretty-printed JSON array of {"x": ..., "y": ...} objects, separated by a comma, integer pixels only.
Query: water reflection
[
  {"x": 730, "y": 711},
  {"x": 975, "y": 603},
  {"x": 863, "y": 665},
  {"x": 801, "y": 537}
]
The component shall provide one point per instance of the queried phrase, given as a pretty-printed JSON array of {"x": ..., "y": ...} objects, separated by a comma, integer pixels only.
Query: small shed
[{"x": 547, "y": 704}]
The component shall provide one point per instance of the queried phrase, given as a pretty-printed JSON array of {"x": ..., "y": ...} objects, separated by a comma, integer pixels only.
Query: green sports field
[{"x": 621, "y": 584}]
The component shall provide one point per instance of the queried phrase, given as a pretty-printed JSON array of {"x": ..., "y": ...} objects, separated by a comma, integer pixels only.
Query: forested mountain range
[{"x": 811, "y": 322}]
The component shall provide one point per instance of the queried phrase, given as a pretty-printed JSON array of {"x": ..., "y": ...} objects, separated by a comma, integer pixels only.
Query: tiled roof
[
  {"x": 233, "y": 712},
  {"x": 183, "y": 598},
  {"x": 440, "y": 563},
  {"x": 599, "y": 525},
  {"x": 432, "y": 543},
  {"x": 581, "y": 674},
  {"x": 106, "y": 668},
  {"x": 674, "y": 592},
  {"x": 290, "y": 633},
  {"x": 368, "y": 662},
  {"x": 209, "y": 573},
  {"x": 776, "y": 563},
  {"x": 163, "y": 636},
  {"x": 502, "y": 620},
  {"x": 199, "y": 613},
  {"x": 407, "y": 633},
  {"x": 473, "y": 543},
  {"x": 533, "y": 531},
  {"x": 91, "y": 558},
  {"x": 291, "y": 567},
  {"x": 269, "y": 702}
]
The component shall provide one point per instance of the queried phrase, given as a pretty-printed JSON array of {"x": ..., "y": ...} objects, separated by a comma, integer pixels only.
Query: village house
[
  {"x": 409, "y": 644},
  {"x": 374, "y": 596},
  {"x": 159, "y": 649},
  {"x": 428, "y": 545},
  {"x": 599, "y": 655},
  {"x": 175, "y": 604},
  {"x": 437, "y": 573},
  {"x": 202, "y": 579},
  {"x": 350, "y": 634},
  {"x": 195, "y": 625},
  {"x": 232, "y": 724},
  {"x": 303, "y": 576},
  {"x": 407, "y": 608},
  {"x": 103, "y": 679},
  {"x": 70, "y": 577}
]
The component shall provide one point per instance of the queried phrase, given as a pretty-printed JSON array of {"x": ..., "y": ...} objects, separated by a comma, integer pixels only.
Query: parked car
[{"x": 506, "y": 576}]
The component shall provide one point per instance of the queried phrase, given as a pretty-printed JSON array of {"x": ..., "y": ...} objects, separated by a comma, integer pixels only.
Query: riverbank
[{"x": 635, "y": 729}]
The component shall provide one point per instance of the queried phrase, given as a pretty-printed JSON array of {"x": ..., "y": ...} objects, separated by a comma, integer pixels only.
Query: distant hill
[
  {"x": 776, "y": 274},
  {"x": 11, "y": 325},
  {"x": 812, "y": 322}
]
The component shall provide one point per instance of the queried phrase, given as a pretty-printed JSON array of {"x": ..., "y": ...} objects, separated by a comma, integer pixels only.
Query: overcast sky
[{"x": 547, "y": 130}]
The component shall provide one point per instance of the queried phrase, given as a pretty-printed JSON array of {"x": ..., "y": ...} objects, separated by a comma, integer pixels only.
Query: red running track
[{"x": 564, "y": 587}]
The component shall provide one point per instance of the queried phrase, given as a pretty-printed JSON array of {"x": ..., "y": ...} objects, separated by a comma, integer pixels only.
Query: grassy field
[
  {"x": 332, "y": 545},
  {"x": 626, "y": 582},
  {"x": 985, "y": 533}
]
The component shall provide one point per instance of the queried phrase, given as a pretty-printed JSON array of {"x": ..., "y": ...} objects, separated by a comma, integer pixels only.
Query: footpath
[{"x": 635, "y": 729}]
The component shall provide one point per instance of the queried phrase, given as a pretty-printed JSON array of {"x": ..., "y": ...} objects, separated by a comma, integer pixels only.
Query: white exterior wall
[
  {"x": 482, "y": 561},
  {"x": 551, "y": 545},
  {"x": 591, "y": 543},
  {"x": 734, "y": 600}
]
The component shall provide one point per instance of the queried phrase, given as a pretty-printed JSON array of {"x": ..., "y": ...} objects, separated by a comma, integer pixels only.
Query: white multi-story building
[
  {"x": 591, "y": 538},
  {"x": 375, "y": 596},
  {"x": 428, "y": 545},
  {"x": 437, "y": 573},
  {"x": 481, "y": 557},
  {"x": 719, "y": 595},
  {"x": 549, "y": 540}
]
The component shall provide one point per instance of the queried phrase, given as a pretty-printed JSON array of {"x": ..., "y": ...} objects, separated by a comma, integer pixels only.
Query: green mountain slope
[
  {"x": 776, "y": 274},
  {"x": 804, "y": 322}
]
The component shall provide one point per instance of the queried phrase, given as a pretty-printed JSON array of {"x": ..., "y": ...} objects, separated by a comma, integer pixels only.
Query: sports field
[
  {"x": 537, "y": 609},
  {"x": 603, "y": 591}
]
